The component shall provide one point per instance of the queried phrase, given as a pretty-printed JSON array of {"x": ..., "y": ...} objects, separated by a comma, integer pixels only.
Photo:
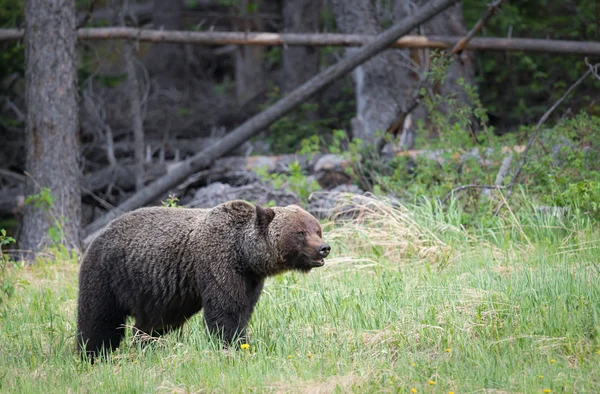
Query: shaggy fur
[{"x": 162, "y": 265}]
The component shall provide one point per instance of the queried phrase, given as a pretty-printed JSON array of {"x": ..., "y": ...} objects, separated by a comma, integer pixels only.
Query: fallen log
[{"x": 324, "y": 39}]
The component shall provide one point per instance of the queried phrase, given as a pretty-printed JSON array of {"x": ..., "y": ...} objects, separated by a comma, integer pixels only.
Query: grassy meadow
[{"x": 409, "y": 302}]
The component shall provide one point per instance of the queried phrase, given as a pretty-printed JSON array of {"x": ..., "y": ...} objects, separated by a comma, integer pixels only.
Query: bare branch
[
  {"x": 88, "y": 15},
  {"x": 491, "y": 11},
  {"x": 15, "y": 177}
]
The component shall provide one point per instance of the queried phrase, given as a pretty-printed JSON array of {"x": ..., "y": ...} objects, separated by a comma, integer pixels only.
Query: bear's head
[{"x": 296, "y": 235}]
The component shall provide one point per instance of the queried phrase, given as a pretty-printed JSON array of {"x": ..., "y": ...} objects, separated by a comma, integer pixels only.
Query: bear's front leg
[{"x": 227, "y": 322}]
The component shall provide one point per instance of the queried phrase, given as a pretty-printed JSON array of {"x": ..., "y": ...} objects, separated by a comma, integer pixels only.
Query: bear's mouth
[{"x": 317, "y": 262}]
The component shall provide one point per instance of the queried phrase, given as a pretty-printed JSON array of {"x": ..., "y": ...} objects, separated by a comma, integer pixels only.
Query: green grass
[{"x": 407, "y": 301}]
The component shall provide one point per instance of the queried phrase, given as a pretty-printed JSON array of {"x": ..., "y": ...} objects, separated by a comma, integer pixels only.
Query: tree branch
[{"x": 491, "y": 11}]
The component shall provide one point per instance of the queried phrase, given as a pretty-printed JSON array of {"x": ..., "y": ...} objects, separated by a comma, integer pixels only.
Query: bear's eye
[{"x": 301, "y": 233}]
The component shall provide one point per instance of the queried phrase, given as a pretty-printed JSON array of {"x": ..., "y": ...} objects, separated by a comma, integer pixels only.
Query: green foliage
[
  {"x": 295, "y": 180},
  {"x": 171, "y": 202},
  {"x": 563, "y": 168},
  {"x": 517, "y": 87},
  {"x": 584, "y": 195},
  {"x": 12, "y": 53},
  {"x": 11, "y": 13},
  {"x": 44, "y": 200},
  {"x": 309, "y": 120},
  {"x": 8, "y": 284}
]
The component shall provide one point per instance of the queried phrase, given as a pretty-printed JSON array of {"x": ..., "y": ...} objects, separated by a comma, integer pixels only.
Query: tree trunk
[
  {"x": 52, "y": 123},
  {"x": 135, "y": 105},
  {"x": 383, "y": 84},
  {"x": 166, "y": 60},
  {"x": 249, "y": 71},
  {"x": 300, "y": 63}
]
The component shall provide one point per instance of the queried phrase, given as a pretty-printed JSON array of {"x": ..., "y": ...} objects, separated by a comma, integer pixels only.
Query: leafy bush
[{"x": 7, "y": 283}]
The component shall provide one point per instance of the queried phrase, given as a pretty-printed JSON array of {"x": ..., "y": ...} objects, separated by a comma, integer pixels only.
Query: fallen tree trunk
[
  {"x": 252, "y": 126},
  {"x": 324, "y": 39}
]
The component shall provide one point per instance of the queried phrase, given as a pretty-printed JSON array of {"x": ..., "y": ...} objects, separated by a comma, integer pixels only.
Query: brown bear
[{"x": 162, "y": 265}]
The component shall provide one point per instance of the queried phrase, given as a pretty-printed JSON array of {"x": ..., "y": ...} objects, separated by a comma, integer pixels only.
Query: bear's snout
[{"x": 324, "y": 250}]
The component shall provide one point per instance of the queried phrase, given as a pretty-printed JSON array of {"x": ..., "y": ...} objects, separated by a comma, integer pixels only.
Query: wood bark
[
  {"x": 52, "y": 122},
  {"x": 252, "y": 126},
  {"x": 302, "y": 62},
  {"x": 166, "y": 60}
]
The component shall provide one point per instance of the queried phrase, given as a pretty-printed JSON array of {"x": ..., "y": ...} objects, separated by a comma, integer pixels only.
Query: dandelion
[
  {"x": 413, "y": 390},
  {"x": 309, "y": 355},
  {"x": 448, "y": 350},
  {"x": 598, "y": 352},
  {"x": 552, "y": 361},
  {"x": 547, "y": 391},
  {"x": 135, "y": 361},
  {"x": 290, "y": 356},
  {"x": 450, "y": 392},
  {"x": 245, "y": 346},
  {"x": 414, "y": 364},
  {"x": 541, "y": 376},
  {"x": 431, "y": 382}
]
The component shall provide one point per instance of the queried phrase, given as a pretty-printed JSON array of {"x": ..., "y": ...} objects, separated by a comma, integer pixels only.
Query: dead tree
[
  {"x": 249, "y": 71},
  {"x": 52, "y": 123}
]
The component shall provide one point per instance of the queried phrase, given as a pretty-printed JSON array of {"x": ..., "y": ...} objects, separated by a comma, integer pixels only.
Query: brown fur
[{"x": 162, "y": 265}]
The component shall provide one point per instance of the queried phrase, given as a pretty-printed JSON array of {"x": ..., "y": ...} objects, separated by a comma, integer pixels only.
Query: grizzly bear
[{"x": 163, "y": 265}]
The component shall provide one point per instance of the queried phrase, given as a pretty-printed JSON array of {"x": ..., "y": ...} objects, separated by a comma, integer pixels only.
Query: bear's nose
[{"x": 324, "y": 250}]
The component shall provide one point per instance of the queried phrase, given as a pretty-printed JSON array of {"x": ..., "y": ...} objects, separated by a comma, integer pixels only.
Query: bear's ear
[{"x": 264, "y": 216}]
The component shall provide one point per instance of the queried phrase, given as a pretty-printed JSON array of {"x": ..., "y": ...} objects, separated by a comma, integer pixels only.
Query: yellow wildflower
[
  {"x": 431, "y": 382},
  {"x": 450, "y": 392},
  {"x": 290, "y": 356},
  {"x": 448, "y": 350},
  {"x": 135, "y": 361},
  {"x": 541, "y": 376},
  {"x": 413, "y": 390},
  {"x": 245, "y": 346},
  {"x": 414, "y": 364},
  {"x": 547, "y": 391},
  {"x": 309, "y": 355},
  {"x": 552, "y": 361}
]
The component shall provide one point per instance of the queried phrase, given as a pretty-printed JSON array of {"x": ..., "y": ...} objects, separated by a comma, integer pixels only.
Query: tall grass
[{"x": 409, "y": 300}]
